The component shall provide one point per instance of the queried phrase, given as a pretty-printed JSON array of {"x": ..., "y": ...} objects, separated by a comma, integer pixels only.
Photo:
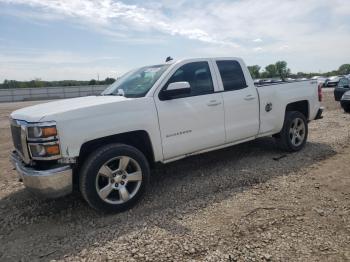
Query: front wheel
[
  {"x": 114, "y": 178},
  {"x": 294, "y": 133}
]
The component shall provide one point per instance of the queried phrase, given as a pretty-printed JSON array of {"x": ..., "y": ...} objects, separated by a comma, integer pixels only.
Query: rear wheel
[
  {"x": 293, "y": 135},
  {"x": 114, "y": 177},
  {"x": 347, "y": 109}
]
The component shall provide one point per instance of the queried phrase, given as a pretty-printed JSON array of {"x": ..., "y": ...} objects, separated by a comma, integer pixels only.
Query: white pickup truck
[{"x": 105, "y": 145}]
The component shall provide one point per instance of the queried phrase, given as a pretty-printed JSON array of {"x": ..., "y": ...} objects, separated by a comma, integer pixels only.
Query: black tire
[
  {"x": 347, "y": 109},
  {"x": 90, "y": 171},
  {"x": 284, "y": 138}
]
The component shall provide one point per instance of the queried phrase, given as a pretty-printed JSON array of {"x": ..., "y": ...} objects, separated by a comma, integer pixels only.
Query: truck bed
[
  {"x": 281, "y": 83},
  {"x": 278, "y": 95}
]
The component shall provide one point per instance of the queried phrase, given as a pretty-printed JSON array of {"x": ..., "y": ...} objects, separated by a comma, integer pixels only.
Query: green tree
[
  {"x": 270, "y": 71},
  {"x": 344, "y": 69},
  {"x": 254, "y": 71},
  {"x": 92, "y": 82},
  {"x": 264, "y": 74},
  {"x": 109, "y": 81},
  {"x": 5, "y": 84},
  {"x": 38, "y": 82},
  {"x": 282, "y": 70}
]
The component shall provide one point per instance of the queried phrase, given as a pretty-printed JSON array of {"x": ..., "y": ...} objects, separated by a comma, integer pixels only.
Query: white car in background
[
  {"x": 321, "y": 79},
  {"x": 332, "y": 81},
  {"x": 290, "y": 79}
]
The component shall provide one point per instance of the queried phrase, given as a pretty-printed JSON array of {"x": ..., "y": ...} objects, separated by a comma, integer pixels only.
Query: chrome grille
[
  {"x": 16, "y": 137},
  {"x": 19, "y": 138}
]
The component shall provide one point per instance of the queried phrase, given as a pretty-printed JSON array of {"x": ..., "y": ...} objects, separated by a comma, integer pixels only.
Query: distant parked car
[
  {"x": 276, "y": 80},
  {"x": 321, "y": 80},
  {"x": 290, "y": 79},
  {"x": 342, "y": 86},
  {"x": 332, "y": 81},
  {"x": 266, "y": 81},
  {"x": 315, "y": 77},
  {"x": 345, "y": 102}
]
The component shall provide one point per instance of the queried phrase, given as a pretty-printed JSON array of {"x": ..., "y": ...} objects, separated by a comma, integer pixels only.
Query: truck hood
[{"x": 48, "y": 111}]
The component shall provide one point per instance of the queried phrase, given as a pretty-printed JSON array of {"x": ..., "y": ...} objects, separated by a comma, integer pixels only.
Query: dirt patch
[{"x": 245, "y": 203}]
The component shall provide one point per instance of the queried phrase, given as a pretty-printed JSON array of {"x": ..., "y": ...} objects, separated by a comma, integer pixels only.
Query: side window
[
  {"x": 198, "y": 75},
  {"x": 341, "y": 82},
  {"x": 232, "y": 75}
]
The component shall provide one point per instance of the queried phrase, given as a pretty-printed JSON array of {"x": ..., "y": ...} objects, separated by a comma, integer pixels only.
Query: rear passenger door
[{"x": 241, "y": 102}]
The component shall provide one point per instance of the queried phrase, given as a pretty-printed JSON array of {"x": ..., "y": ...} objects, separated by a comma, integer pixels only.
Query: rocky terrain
[{"x": 249, "y": 202}]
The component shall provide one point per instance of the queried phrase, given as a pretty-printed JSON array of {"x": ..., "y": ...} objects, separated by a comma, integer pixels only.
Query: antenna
[{"x": 168, "y": 59}]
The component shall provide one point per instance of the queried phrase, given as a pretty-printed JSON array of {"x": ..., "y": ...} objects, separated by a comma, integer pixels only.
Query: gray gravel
[{"x": 234, "y": 204}]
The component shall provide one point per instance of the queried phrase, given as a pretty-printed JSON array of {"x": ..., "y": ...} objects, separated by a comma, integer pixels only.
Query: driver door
[{"x": 195, "y": 121}]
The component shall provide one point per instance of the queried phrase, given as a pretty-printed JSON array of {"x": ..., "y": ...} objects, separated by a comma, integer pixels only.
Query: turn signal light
[
  {"x": 49, "y": 131},
  {"x": 52, "y": 150},
  {"x": 44, "y": 151}
]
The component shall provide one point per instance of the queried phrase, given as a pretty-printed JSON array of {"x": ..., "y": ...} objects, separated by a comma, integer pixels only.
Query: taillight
[{"x": 320, "y": 94}]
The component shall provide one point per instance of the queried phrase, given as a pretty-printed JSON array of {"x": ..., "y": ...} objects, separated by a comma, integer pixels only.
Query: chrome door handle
[
  {"x": 214, "y": 103},
  {"x": 249, "y": 97}
]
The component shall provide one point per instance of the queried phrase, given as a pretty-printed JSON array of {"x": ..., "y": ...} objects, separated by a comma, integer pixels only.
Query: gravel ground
[{"x": 249, "y": 202}]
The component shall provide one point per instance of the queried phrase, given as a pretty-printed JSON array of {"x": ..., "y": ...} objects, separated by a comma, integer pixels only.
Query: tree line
[
  {"x": 277, "y": 70},
  {"x": 280, "y": 70},
  {"x": 39, "y": 83}
]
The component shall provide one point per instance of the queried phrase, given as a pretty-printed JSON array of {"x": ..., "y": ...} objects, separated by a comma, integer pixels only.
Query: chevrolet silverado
[{"x": 105, "y": 145}]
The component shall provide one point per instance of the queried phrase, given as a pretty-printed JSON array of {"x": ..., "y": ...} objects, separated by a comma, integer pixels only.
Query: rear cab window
[{"x": 231, "y": 75}]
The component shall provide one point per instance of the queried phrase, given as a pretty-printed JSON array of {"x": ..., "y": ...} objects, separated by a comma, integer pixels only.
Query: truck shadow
[{"x": 68, "y": 225}]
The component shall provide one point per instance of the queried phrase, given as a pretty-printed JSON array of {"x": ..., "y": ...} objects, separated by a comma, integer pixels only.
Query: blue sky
[{"x": 80, "y": 39}]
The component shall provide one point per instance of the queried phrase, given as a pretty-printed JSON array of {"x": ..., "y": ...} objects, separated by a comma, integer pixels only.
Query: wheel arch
[
  {"x": 139, "y": 139},
  {"x": 301, "y": 106}
]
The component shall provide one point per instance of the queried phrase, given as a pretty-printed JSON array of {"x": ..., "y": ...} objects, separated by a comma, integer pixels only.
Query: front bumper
[
  {"x": 319, "y": 113},
  {"x": 51, "y": 183}
]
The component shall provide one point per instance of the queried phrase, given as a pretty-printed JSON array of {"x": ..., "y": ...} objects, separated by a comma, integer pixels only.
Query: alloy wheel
[
  {"x": 119, "y": 180},
  {"x": 297, "y": 132}
]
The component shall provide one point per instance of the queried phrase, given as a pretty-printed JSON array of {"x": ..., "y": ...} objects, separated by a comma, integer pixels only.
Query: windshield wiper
[{"x": 112, "y": 94}]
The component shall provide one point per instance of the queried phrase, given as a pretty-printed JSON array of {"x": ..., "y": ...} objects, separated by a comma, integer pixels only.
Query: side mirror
[{"x": 176, "y": 89}]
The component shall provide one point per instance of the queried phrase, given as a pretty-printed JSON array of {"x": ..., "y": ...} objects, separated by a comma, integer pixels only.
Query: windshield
[{"x": 136, "y": 83}]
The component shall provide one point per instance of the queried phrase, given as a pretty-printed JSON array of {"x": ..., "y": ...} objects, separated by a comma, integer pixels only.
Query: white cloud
[
  {"x": 113, "y": 15},
  {"x": 305, "y": 33},
  {"x": 69, "y": 72},
  {"x": 222, "y": 23},
  {"x": 284, "y": 47},
  {"x": 258, "y": 49},
  {"x": 51, "y": 58},
  {"x": 28, "y": 64}
]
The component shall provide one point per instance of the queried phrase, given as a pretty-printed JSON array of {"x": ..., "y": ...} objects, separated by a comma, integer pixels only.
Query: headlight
[
  {"x": 48, "y": 130},
  {"x": 43, "y": 142},
  {"x": 47, "y": 151}
]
